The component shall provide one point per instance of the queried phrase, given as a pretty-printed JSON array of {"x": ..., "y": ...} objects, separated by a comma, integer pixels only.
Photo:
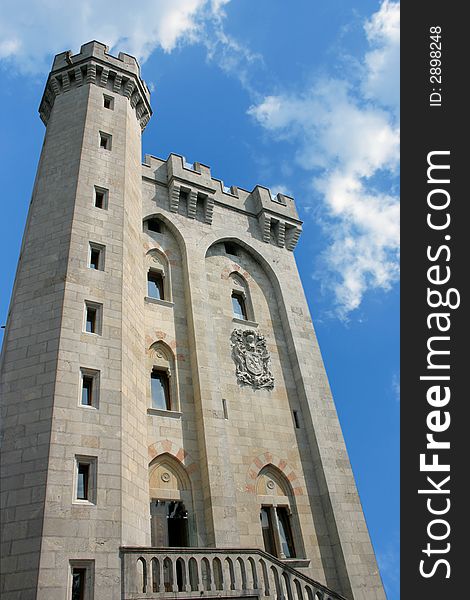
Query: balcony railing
[{"x": 213, "y": 572}]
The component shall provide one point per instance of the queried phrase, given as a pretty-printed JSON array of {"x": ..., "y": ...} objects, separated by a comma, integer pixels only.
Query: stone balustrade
[{"x": 212, "y": 572}]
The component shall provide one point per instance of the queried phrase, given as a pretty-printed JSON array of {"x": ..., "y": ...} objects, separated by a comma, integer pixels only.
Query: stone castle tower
[{"x": 168, "y": 428}]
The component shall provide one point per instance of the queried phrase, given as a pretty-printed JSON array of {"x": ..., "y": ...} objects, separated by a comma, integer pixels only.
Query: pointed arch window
[
  {"x": 158, "y": 276},
  {"x": 279, "y": 521},
  {"x": 163, "y": 386},
  {"x": 242, "y": 306}
]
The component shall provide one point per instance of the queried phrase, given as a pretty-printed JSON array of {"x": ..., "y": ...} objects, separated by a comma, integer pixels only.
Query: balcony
[{"x": 214, "y": 573}]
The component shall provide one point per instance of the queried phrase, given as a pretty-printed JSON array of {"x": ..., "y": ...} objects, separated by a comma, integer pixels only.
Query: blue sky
[{"x": 301, "y": 97}]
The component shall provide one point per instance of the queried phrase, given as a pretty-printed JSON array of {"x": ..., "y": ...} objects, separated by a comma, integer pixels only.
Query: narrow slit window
[
  {"x": 83, "y": 481},
  {"x": 155, "y": 287},
  {"x": 87, "y": 390},
  {"x": 239, "y": 306},
  {"x": 101, "y": 198},
  {"x": 105, "y": 141},
  {"x": 160, "y": 390},
  {"x": 93, "y": 318},
  {"x": 78, "y": 583},
  {"x": 224, "y": 407},
  {"x": 82, "y": 579},
  {"x": 296, "y": 419},
  {"x": 96, "y": 257},
  {"x": 108, "y": 102}
]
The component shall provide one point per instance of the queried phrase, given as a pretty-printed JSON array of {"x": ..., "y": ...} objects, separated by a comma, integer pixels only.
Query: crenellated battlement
[
  {"x": 277, "y": 215},
  {"x": 94, "y": 65}
]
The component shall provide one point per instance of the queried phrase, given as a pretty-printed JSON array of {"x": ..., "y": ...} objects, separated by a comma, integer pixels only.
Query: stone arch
[
  {"x": 172, "y": 228},
  {"x": 281, "y": 464},
  {"x": 272, "y": 481},
  {"x": 160, "y": 357},
  {"x": 251, "y": 250},
  {"x": 176, "y": 451},
  {"x": 167, "y": 473}
]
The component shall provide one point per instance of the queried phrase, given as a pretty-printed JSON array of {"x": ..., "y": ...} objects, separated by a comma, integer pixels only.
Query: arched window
[
  {"x": 242, "y": 307},
  {"x": 278, "y": 514},
  {"x": 158, "y": 276},
  {"x": 163, "y": 384}
]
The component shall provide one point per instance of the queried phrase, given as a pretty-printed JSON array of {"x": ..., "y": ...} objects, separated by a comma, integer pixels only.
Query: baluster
[
  {"x": 200, "y": 583},
  {"x": 226, "y": 575},
  {"x": 287, "y": 584},
  {"x": 237, "y": 578},
  {"x": 250, "y": 575},
  {"x": 174, "y": 577},
  {"x": 186, "y": 578},
  {"x": 273, "y": 584},
  {"x": 210, "y": 575}
]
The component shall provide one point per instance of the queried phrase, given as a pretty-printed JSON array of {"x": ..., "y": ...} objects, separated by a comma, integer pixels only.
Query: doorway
[{"x": 169, "y": 524}]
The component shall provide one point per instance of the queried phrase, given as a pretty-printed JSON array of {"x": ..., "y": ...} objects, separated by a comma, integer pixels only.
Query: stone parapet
[
  {"x": 93, "y": 65},
  {"x": 277, "y": 216}
]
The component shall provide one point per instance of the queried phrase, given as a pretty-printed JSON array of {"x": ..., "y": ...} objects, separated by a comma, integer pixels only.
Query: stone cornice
[{"x": 93, "y": 65}]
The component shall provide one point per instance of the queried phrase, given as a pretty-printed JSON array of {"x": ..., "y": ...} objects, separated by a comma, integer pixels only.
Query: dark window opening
[
  {"x": 95, "y": 258},
  {"x": 155, "y": 288},
  {"x": 231, "y": 248},
  {"x": 296, "y": 419},
  {"x": 224, "y": 407},
  {"x": 169, "y": 524},
  {"x": 285, "y": 533},
  {"x": 90, "y": 319},
  {"x": 108, "y": 102},
  {"x": 78, "y": 583},
  {"x": 154, "y": 225},
  {"x": 105, "y": 141},
  {"x": 268, "y": 530},
  {"x": 83, "y": 481},
  {"x": 177, "y": 525},
  {"x": 160, "y": 390},
  {"x": 239, "y": 306},
  {"x": 87, "y": 390},
  {"x": 100, "y": 198}
]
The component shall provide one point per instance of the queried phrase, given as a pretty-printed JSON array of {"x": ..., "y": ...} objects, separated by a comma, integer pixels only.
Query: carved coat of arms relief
[{"x": 252, "y": 358}]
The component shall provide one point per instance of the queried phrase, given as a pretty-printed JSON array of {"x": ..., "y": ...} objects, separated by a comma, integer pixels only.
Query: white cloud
[
  {"x": 383, "y": 61},
  {"x": 348, "y": 138},
  {"x": 279, "y": 188},
  {"x": 31, "y": 31}
]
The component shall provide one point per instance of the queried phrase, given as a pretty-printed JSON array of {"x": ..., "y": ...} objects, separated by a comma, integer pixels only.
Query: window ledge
[
  {"x": 172, "y": 414},
  {"x": 245, "y": 322},
  {"x": 160, "y": 302},
  {"x": 296, "y": 563},
  {"x": 77, "y": 502}
]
